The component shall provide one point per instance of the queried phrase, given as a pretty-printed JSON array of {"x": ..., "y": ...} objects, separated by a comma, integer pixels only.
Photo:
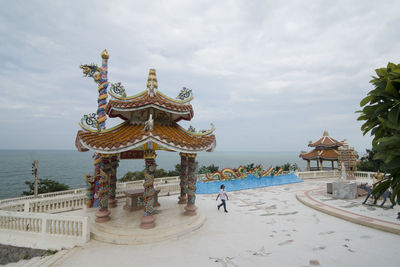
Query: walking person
[{"x": 224, "y": 196}]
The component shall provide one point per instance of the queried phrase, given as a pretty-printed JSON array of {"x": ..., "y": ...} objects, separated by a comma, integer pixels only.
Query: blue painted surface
[{"x": 250, "y": 182}]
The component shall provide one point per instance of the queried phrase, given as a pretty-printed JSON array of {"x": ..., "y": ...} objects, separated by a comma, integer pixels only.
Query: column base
[
  {"x": 190, "y": 210},
  {"x": 147, "y": 222},
  {"x": 112, "y": 203},
  {"x": 103, "y": 216},
  {"x": 182, "y": 200}
]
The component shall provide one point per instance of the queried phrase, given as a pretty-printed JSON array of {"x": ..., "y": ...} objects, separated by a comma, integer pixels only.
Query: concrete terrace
[{"x": 264, "y": 227}]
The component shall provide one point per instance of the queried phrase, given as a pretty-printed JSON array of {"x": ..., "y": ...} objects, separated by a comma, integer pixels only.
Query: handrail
[{"x": 67, "y": 231}]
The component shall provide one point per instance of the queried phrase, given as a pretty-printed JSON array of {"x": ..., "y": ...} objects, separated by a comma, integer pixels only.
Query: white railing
[
  {"x": 56, "y": 204},
  {"x": 47, "y": 205},
  {"x": 76, "y": 200},
  {"x": 332, "y": 174},
  {"x": 169, "y": 189},
  {"x": 45, "y": 195},
  {"x": 318, "y": 174},
  {"x": 368, "y": 175},
  {"x": 68, "y": 231},
  {"x": 123, "y": 185}
]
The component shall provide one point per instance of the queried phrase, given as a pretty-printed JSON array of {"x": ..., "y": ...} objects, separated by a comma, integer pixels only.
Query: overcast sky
[{"x": 271, "y": 75}]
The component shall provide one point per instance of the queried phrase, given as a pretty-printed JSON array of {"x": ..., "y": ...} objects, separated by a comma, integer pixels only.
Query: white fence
[
  {"x": 333, "y": 174},
  {"x": 121, "y": 186},
  {"x": 43, "y": 230},
  {"x": 75, "y": 199},
  {"x": 318, "y": 174}
]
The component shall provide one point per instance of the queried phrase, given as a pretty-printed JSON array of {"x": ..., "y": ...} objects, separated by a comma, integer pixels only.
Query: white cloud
[{"x": 278, "y": 72}]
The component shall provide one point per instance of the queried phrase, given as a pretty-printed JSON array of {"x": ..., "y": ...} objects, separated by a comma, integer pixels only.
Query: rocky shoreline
[{"x": 10, "y": 254}]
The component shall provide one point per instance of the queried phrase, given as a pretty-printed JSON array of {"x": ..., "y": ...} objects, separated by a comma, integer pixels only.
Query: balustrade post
[
  {"x": 26, "y": 206},
  {"x": 190, "y": 208},
  {"x": 44, "y": 225}
]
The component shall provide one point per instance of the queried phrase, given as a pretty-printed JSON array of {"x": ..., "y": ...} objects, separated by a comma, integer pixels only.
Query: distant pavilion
[{"x": 325, "y": 149}]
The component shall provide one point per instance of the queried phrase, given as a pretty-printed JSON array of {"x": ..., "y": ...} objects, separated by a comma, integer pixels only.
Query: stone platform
[
  {"x": 124, "y": 226},
  {"x": 351, "y": 210}
]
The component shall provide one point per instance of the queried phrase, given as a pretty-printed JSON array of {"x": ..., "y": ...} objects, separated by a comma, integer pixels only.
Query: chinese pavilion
[
  {"x": 325, "y": 149},
  {"x": 150, "y": 123}
]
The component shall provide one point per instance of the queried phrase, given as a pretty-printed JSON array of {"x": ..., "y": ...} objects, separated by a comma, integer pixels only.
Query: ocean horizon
[{"x": 69, "y": 166}]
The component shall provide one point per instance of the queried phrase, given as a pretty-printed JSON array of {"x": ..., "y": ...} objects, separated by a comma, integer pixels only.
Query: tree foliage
[
  {"x": 368, "y": 163},
  {"x": 211, "y": 169},
  {"x": 45, "y": 186},
  {"x": 139, "y": 175},
  {"x": 381, "y": 115}
]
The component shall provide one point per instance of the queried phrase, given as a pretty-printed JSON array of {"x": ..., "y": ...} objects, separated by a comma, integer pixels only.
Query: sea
[{"x": 69, "y": 166}]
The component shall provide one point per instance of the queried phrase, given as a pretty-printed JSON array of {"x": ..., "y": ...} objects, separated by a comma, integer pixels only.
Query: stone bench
[{"x": 135, "y": 199}]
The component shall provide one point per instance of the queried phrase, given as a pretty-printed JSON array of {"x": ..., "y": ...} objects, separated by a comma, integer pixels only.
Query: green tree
[
  {"x": 211, "y": 168},
  {"x": 160, "y": 173},
  {"x": 368, "y": 163},
  {"x": 132, "y": 176},
  {"x": 249, "y": 167},
  {"x": 175, "y": 172},
  {"x": 45, "y": 186},
  {"x": 381, "y": 113}
]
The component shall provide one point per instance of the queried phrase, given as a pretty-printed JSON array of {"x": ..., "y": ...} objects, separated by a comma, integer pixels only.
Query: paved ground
[{"x": 264, "y": 227}]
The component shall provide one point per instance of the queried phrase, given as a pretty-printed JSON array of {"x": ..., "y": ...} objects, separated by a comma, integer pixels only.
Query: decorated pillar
[
  {"x": 99, "y": 75},
  {"x": 183, "y": 178},
  {"x": 333, "y": 165},
  {"x": 112, "y": 202},
  {"x": 90, "y": 184},
  {"x": 148, "y": 219},
  {"x": 103, "y": 214},
  {"x": 320, "y": 166},
  {"x": 97, "y": 177},
  {"x": 308, "y": 165},
  {"x": 190, "y": 208},
  {"x": 103, "y": 84}
]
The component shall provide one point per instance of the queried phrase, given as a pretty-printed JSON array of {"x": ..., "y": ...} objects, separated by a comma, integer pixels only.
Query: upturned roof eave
[{"x": 208, "y": 148}]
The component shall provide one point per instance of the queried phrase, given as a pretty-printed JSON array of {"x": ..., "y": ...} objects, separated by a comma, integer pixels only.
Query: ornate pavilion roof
[
  {"x": 326, "y": 141},
  {"x": 122, "y": 107},
  {"x": 128, "y": 136},
  {"x": 330, "y": 154},
  {"x": 150, "y": 120}
]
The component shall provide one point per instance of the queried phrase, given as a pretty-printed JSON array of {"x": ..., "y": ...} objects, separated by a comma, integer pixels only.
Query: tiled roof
[
  {"x": 145, "y": 101},
  {"x": 330, "y": 154},
  {"x": 326, "y": 141},
  {"x": 130, "y": 136}
]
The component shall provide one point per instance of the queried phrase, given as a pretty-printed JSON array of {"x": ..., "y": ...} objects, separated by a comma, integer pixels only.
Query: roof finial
[
  {"x": 152, "y": 82},
  {"x": 104, "y": 54},
  {"x": 326, "y": 133}
]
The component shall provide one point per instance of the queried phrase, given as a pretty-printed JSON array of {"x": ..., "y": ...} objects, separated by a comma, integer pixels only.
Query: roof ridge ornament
[
  {"x": 193, "y": 131},
  {"x": 118, "y": 89},
  {"x": 148, "y": 125},
  {"x": 152, "y": 84},
  {"x": 89, "y": 121},
  {"x": 185, "y": 93}
]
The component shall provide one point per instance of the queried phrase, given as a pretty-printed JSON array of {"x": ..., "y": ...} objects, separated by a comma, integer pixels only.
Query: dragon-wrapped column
[
  {"x": 183, "y": 178},
  {"x": 147, "y": 221},
  {"x": 190, "y": 208},
  {"x": 90, "y": 185},
  {"x": 103, "y": 214},
  {"x": 112, "y": 202}
]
